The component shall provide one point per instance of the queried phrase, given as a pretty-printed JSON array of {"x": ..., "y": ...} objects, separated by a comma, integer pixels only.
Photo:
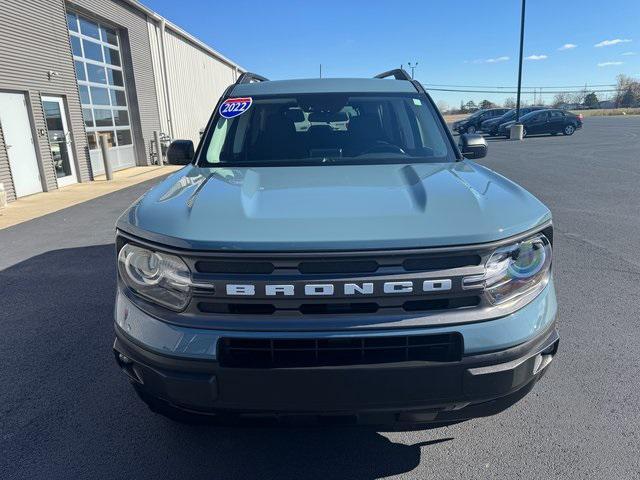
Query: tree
[
  {"x": 510, "y": 103},
  {"x": 578, "y": 97},
  {"x": 470, "y": 106},
  {"x": 559, "y": 99},
  {"x": 628, "y": 99},
  {"x": 486, "y": 104},
  {"x": 591, "y": 100},
  {"x": 627, "y": 91}
]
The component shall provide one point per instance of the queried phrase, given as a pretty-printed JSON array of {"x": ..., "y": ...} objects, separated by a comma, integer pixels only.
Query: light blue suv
[{"x": 329, "y": 251}]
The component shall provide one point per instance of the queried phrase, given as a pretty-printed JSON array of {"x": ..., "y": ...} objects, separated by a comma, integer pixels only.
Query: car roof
[{"x": 323, "y": 85}]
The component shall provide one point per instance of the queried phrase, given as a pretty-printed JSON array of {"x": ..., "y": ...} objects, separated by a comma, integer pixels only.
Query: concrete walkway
[{"x": 34, "y": 206}]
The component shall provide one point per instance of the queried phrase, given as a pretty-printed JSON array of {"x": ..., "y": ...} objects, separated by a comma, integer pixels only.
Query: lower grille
[{"x": 292, "y": 353}]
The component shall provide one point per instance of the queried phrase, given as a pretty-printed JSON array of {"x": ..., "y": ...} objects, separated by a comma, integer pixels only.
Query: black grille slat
[
  {"x": 352, "y": 308},
  {"x": 294, "y": 353},
  {"x": 428, "y": 263},
  {"x": 234, "y": 267},
  {"x": 353, "y": 266}
]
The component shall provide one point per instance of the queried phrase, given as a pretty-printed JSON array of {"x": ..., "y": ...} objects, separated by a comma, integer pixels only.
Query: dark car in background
[
  {"x": 472, "y": 123},
  {"x": 492, "y": 125},
  {"x": 551, "y": 121}
]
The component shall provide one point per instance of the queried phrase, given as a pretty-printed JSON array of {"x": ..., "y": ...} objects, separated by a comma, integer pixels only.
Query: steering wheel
[{"x": 382, "y": 147}]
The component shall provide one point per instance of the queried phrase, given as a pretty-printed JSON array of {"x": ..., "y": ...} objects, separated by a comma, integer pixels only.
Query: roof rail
[
  {"x": 249, "y": 77},
  {"x": 398, "y": 74}
]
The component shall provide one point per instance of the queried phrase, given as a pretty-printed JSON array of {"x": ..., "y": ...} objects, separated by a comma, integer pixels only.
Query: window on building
[
  {"x": 92, "y": 50},
  {"x": 72, "y": 22},
  {"x": 89, "y": 28},
  {"x": 121, "y": 117},
  {"x": 100, "y": 96},
  {"x": 124, "y": 137},
  {"x": 109, "y": 36},
  {"x": 96, "y": 73},
  {"x": 80, "y": 70},
  {"x": 84, "y": 95},
  {"x": 104, "y": 118},
  {"x": 88, "y": 117},
  {"x": 103, "y": 95},
  {"x": 75, "y": 47},
  {"x": 112, "y": 56},
  {"x": 115, "y": 77}
]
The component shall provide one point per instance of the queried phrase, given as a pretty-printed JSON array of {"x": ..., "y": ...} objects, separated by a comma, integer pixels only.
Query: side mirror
[
  {"x": 472, "y": 146},
  {"x": 180, "y": 152}
]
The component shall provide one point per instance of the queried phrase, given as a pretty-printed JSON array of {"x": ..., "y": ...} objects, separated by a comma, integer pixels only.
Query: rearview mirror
[
  {"x": 180, "y": 152},
  {"x": 472, "y": 146}
]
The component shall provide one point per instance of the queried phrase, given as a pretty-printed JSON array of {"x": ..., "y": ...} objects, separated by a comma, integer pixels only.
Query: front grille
[
  {"x": 253, "y": 273},
  {"x": 297, "y": 353}
]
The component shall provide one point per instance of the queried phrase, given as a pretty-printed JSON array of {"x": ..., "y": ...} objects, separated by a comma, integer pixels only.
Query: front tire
[
  {"x": 471, "y": 129},
  {"x": 569, "y": 129}
]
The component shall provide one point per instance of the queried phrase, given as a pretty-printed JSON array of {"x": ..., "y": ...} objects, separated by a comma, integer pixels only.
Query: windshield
[
  {"x": 509, "y": 115},
  {"x": 325, "y": 128},
  {"x": 529, "y": 115}
]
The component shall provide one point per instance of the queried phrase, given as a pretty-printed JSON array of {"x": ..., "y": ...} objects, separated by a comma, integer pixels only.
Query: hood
[{"x": 336, "y": 207}]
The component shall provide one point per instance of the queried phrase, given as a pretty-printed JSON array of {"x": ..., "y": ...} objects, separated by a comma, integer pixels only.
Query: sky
[{"x": 462, "y": 42}]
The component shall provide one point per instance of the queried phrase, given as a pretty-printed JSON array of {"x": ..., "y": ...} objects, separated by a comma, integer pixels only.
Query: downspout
[{"x": 165, "y": 77}]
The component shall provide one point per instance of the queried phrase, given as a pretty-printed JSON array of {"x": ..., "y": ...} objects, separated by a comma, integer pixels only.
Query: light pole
[
  {"x": 413, "y": 68},
  {"x": 517, "y": 129}
]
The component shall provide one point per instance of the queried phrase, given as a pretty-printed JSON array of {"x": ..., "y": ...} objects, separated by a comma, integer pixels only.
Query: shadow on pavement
[{"x": 66, "y": 411}]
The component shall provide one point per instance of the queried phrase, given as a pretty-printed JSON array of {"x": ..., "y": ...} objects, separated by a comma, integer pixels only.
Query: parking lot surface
[{"x": 67, "y": 412}]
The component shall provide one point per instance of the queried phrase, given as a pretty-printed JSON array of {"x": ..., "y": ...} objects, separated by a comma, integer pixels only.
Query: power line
[
  {"x": 547, "y": 92},
  {"x": 528, "y": 87}
]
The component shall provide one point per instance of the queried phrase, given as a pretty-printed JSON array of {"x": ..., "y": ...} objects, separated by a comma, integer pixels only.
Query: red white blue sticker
[{"x": 232, "y": 107}]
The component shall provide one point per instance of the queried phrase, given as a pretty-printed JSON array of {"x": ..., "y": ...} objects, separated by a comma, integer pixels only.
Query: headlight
[
  {"x": 160, "y": 277},
  {"x": 518, "y": 269}
]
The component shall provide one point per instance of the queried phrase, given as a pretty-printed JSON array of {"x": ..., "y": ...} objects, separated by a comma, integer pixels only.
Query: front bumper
[
  {"x": 503, "y": 358},
  {"x": 479, "y": 385}
]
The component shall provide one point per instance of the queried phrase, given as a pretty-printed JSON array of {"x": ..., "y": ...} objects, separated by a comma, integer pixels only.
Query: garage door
[{"x": 103, "y": 95}]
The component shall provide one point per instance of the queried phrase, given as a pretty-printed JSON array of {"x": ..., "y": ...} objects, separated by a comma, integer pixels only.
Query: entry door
[
  {"x": 538, "y": 124},
  {"x": 19, "y": 144},
  {"x": 556, "y": 121},
  {"x": 59, "y": 140}
]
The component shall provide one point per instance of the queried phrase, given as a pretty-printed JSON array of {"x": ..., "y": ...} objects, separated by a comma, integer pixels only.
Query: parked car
[
  {"x": 492, "y": 125},
  {"x": 551, "y": 121},
  {"x": 472, "y": 123},
  {"x": 368, "y": 268}
]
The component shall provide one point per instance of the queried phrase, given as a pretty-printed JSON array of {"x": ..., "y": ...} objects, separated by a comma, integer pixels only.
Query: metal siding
[
  {"x": 29, "y": 51},
  {"x": 156, "y": 57},
  {"x": 140, "y": 75},
  {"x": 196, "y": 81}
]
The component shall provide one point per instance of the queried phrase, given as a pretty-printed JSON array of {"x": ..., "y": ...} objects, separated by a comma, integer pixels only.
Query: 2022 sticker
[{"x": 232, "y": 107}]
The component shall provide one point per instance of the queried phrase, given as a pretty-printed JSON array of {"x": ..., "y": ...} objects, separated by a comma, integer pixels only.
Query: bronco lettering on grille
[{"x": 329, "y": 289}]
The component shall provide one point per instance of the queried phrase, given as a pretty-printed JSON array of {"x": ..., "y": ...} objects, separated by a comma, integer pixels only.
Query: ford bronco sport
[{"x": 329, "y": 251}]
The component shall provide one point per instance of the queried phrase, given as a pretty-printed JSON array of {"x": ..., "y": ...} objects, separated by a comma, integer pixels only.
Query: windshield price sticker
[{"x": 233, "y": 107}]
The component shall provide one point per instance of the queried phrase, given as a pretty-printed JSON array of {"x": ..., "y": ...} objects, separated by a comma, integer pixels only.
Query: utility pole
[
  {"x": 520, "y": 60},
  {"x": 517, "y": 129},
  {"x": 413, "y": 68},
  {"x": 320, "y": 70}
]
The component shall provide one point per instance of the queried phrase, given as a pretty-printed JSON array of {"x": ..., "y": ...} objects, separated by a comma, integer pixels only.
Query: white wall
[{"x": 196, "y": 80}]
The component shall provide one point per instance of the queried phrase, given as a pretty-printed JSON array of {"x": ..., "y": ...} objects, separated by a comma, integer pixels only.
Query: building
[{"x": 71, "y": 71}]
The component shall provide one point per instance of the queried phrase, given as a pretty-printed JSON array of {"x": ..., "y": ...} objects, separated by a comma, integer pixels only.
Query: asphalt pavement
[{"x": 66, "y": 412}]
